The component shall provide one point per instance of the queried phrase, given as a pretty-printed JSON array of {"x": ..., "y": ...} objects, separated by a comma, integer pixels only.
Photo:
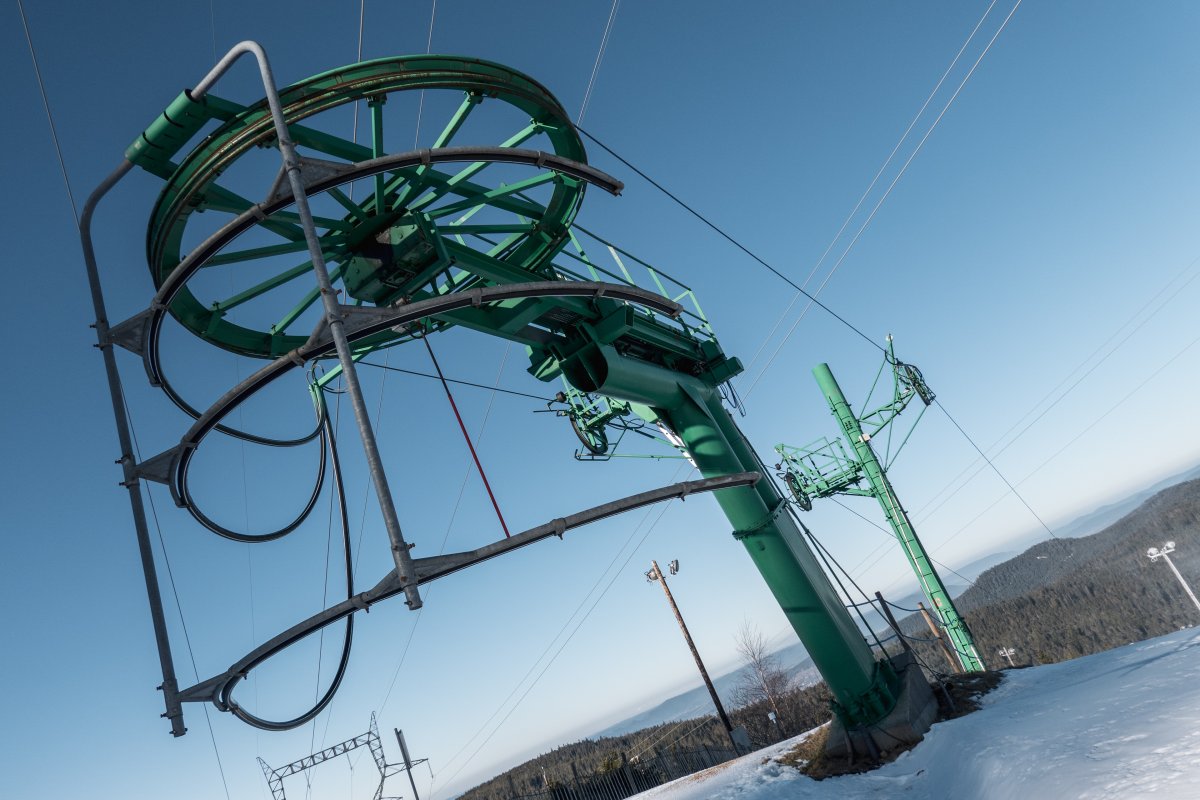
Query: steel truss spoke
[
  {"x": 494, "y": 194},
  {"x": 256, "y": 252},
  {"x": 264, "y": 287},
  {"x": 345, "y": 202},
  {"x": 328, "y": 223},
  {"x": 218, "y": 198},
  {"x": 466, "y": 173},
  {"x": 310, "y": 297}
]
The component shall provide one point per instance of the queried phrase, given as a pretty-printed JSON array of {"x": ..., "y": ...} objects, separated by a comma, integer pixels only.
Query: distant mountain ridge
[
  {"x": 1106, "y": 515},
  {"x": 696, "y": 702}
]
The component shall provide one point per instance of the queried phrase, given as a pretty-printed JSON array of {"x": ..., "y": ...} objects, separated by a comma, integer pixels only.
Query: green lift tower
[
  {"x": 477, "y": 231},
  {"x": 824, "y": 468}
]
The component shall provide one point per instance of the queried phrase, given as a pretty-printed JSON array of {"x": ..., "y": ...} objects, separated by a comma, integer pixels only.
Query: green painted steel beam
[
  {"x": 375, "y": 106},
  {"x": 274, "y": 282},
  {"x": 881, "y": 488}
]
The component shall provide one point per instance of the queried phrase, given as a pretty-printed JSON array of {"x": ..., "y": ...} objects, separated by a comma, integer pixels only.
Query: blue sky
[{"x": 1045, "y": 229}]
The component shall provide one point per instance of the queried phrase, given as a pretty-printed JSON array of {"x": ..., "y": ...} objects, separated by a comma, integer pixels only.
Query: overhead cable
[
  {"x": 587, "y": 94},
  {"x": 995, "y": 469},
  {"x": 37, "y": 71},
  {"x": 729, "y": 238},
  {"x": 862, "y": 198},
  {"x": 366, "y": 363},
  {"x": 862, "y": 228}
]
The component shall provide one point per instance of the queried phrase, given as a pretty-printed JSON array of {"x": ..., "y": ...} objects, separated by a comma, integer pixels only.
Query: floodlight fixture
[
  {"x": 674, "y": 567},
  {"x": 1154, "y": 553}
]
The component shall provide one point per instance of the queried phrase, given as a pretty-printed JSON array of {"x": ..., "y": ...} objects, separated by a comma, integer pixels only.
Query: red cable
[{"x": 466, "y": 436}]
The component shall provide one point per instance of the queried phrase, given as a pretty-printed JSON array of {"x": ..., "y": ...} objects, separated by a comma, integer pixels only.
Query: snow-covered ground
[{"x": 1121, "y": 724}]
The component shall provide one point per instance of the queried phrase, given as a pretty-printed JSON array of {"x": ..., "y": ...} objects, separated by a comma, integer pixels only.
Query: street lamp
[
  {"x": 1008, "y": 653},
  {"x": 1154, "y": 553}
]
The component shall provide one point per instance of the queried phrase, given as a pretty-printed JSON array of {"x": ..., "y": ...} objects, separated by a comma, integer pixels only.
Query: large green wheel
[{"x": 412, "y": 233}]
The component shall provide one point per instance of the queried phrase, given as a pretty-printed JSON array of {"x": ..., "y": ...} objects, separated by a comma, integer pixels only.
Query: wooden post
[
  {"x": 887, "y": 613},
  {"x": 655, "y": 574},
  {"x": 936, "y": 631},
  {"x": 628, "y": 772},
  {"x": 575, "y": 775}
]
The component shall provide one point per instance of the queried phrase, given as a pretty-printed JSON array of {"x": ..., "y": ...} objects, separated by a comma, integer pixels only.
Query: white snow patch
[{"x": 1120, "y": 724}]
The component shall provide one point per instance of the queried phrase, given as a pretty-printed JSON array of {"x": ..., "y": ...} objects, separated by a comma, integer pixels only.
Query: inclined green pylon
[
  {"x": 864, "y": 689},
  {"x": 881, "y": 489}
]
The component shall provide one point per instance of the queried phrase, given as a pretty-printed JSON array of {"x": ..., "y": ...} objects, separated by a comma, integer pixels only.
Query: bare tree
[{"x": 765, "y": 681}]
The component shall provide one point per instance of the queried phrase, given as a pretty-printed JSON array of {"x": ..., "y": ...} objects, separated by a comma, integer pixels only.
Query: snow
[{"x": 1120, "y": 724}]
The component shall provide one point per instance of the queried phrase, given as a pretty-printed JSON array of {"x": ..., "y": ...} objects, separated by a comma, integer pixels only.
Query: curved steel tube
[{"x": 219, "y": 689}]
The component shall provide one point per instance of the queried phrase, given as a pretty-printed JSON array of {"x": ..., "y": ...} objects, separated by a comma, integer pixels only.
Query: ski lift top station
[{"x": 438, "y": 241}]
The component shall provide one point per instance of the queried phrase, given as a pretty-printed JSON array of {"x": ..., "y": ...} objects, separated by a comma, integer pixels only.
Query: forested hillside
[
  {"x": 1064, "y": 598},
  {"x": 800, "y": 710}
]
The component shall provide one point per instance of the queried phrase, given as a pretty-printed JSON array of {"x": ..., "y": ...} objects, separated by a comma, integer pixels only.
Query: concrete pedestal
[{"x": 907, "y": 723}]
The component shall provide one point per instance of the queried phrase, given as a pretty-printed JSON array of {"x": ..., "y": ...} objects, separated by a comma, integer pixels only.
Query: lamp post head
[
  {"x": 1169, "y": 546},
  {"x": 1152, "y": 553}
]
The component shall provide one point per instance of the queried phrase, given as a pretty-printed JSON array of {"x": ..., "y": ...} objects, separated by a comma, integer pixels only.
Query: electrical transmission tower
[
  {"x": 370, "y": 740},
  {"x": 825, "y": 468}
]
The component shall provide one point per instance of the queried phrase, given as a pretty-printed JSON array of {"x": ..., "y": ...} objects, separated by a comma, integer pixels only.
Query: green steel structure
[
  {"x": 824, "y": 469},
  {"x": 480, "y": 235}
]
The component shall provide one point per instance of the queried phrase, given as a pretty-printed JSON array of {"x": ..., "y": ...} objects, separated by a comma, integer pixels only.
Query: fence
[{"x": 630, "y": 777}]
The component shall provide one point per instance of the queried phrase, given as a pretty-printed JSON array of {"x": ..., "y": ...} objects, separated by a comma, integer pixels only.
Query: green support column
[
  {"x": 865, "y": 690},
  {"x": 881, "y": 489}
]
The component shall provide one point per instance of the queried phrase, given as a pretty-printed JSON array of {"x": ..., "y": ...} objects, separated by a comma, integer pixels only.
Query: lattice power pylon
[{"x": 370, "y": 740}]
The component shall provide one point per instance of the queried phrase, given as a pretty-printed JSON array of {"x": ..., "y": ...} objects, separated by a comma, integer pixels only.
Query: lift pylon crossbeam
[{"x": 826, "y": 470}]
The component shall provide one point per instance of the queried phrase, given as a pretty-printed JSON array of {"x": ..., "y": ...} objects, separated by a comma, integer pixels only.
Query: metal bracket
[
  {"x": 202, "y": 692},
  {"x": 131, "y": 334},
  {"x": 434, "y": 565},
  {"x": 158, "y": 468},
  {"x": 355, "y": 318},
  {"x": 312, "y": 170},
  {"x": 767, "y": 520}
]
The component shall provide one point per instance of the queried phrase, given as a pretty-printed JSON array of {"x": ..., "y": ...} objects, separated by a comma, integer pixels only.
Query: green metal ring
[{"x": 251, "y": 128}]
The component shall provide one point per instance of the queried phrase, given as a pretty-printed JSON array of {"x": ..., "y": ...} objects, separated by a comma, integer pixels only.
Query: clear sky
[{"x": 1040, "y": 248}]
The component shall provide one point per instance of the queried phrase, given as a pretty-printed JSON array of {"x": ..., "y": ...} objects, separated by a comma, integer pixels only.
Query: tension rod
[{"x": 470, "y": 446}]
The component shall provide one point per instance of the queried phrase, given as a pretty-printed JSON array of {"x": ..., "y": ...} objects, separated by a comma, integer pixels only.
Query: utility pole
[
  {"x": 826, "y": 469},
  {"x": 1155, "y": 552},
  {"x": 1008, "y": 653},
  {"x": 408, "y": 762},
  {"x": 655, "y": 574}
]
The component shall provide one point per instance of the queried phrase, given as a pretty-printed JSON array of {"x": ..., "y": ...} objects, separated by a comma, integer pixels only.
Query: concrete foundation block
[{"x": 915, "y": 710}]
